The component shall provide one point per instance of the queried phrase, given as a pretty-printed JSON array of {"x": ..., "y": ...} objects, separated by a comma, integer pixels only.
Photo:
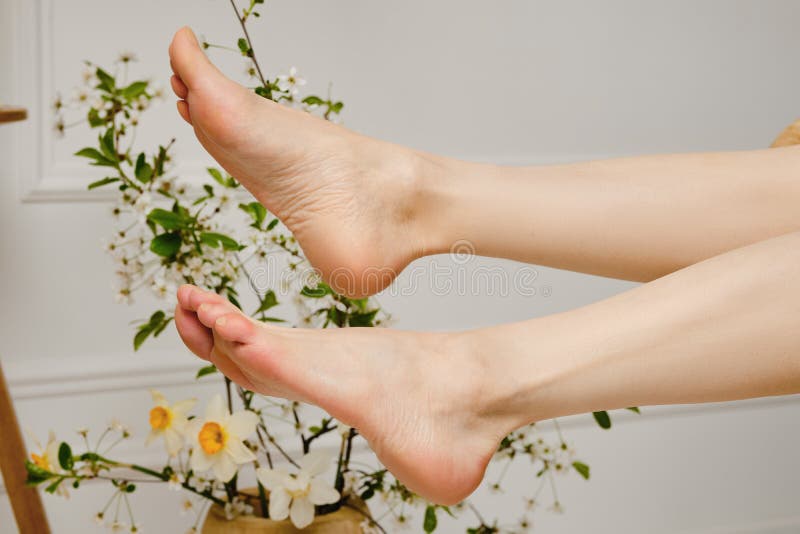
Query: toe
[
  {"x": 180, "y": 89},
  {"x": 188, "y": 60},
  {"x": 183, "y": 111},
  {"x": 193, "y": 333},
  {"x": 235, "y": 327},
  {"x": 184, "y": 296},
  {"x": 209, "y": 313},
  {"x": 198, "y": 297}
]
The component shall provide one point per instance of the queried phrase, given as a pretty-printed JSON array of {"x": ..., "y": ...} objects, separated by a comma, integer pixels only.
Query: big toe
[
  {"x": 188, "y": 60},
  {"x": 194, "y": 334}
]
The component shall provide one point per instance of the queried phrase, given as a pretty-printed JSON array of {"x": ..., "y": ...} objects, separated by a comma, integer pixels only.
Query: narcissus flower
[
  {"x": 47, "y": 459},
  {"x": 217, "y": 440},
  {"x": 168, "y": 421},
  {"x": 294, "y": 496}
]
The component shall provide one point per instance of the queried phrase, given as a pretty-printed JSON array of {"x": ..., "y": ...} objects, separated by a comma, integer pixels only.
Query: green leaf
[
  {"x": 602, "y": 419},
  {"x": 36, "y": 475},
  {"x": 362, "y": 319},
  {"x": 272, "y": 224},
  {"x": 313, "y": 101},
  {"x": 223, "y": 180},
  {"x": 214, "y": 240},
  {"x": 65, "y": 459},
  {"x": 107, "y": 82},
  {"x": 256, "y": 211},
  {"x": 337, "y": 107},
  {"x": 134, "y": 90},
  {"x": 91, "y": 153},
  {"x": 108, "y": 146},
  {"x": 429, "y": 524},
  {"x": 94, "y": 118},
  {"x": 582, "y": 469},
  {"x": 269, "y": 301},
  {"x": 634, "y": 409},
  {"x": 104, "y": 181},
  {"x": 160, "y": 328},
  {"x": 160, "y": 159},
  {"x": 166, "y": 245},
  {"x": 216, "y": 175},
  {"x": 244, "y": 47},
  {"x": 99, "y": 159},
  {"x": 205, "y": 371},
  {"x": 140, "y": 337},
  {"x": 317, "y": 292},
  {"x": 157, "y": 322},
  {"x": 52, "y": 488},
  {"x": 143, "y": 170},
  {"x": 169, "y": 220}
]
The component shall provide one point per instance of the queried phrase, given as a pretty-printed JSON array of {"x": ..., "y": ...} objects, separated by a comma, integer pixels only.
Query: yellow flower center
[
  {"x": 160, "y": 418},
  {"x": 212, "y": 438},
  {"x": 298, "y": 493},
  {"x": 41, "y": 461}
]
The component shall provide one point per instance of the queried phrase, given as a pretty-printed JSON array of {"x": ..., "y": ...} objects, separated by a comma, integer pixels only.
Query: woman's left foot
[{"x": 420, "y": 400}]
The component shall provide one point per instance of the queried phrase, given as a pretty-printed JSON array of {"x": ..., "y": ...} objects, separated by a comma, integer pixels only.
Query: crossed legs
[{"x": 723, "y": 325}]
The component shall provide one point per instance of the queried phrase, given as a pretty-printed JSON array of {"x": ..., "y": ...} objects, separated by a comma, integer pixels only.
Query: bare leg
[
  {"x": 358, "y": 205},
  {"x": 725, "y": 328},
  {"x": 634, "y": 218}
]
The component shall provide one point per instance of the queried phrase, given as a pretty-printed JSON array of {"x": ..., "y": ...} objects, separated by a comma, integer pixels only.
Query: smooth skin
[{"x": 725, "y": 324}]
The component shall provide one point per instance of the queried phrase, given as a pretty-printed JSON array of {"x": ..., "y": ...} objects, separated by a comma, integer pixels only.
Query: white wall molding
[
  {"x": 110, "y": 373},
  {"x": 98, "y": 374}
]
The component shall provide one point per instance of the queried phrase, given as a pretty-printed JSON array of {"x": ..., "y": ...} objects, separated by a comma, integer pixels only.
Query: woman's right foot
[{"x": 351, "y": 202}]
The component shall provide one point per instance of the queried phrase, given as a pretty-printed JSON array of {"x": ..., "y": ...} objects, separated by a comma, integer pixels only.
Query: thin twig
[
  {"x": 367, "y": 515},
  {"x": 252, "y": 53}
]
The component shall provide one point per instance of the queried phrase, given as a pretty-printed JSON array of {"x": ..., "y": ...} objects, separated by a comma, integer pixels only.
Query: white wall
[{"x": 508, "y": 81}]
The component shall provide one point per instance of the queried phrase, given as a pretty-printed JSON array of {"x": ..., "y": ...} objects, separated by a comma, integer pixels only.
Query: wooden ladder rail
[{"x": 25, "y": 501}]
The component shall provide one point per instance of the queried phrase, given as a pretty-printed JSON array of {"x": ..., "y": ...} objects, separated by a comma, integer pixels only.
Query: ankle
[
  {"x": 488, "y": 384},
  {"x": 414, "y": 184},
  {"x": 516, "y": 378},
  {"x": 434, "y": 192}
]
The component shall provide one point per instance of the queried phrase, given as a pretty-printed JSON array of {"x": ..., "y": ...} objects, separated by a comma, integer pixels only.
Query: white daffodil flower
[
  {"x": 168, "y": 421},
  {"x": 295, "y": 495},
  {"x": 217, "y": 440},
  {"x": 47, "y": 458}
]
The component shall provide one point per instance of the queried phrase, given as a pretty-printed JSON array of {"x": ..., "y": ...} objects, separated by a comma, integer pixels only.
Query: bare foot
[
  {"x": 349, "y": 200},
  {"x": 418, "y": 399}
]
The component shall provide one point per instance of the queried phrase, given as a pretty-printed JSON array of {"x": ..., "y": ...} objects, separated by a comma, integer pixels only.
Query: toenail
[
  {"x": 222, "y": 321},
  {"x": 203, "y": 307}
]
